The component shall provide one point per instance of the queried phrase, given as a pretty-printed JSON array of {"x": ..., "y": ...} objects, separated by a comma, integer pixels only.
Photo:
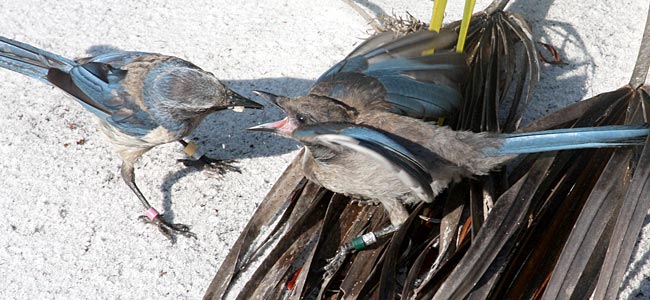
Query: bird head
[
  {"x": 186, "y": 92},
  {"x": 304, "y": 110}
]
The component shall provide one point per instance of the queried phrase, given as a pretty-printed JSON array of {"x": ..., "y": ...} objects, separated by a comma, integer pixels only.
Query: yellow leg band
[{"x": 191, "y": 149}]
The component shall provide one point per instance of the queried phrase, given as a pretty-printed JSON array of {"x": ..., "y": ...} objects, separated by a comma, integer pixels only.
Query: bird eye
[{"x": 301, "y": 118}]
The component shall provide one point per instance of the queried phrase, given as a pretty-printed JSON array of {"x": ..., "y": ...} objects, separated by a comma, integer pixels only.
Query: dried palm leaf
[
  {"x": 570, "y": 234},
  {"x": 613, "y": 215},
  {"x": 301, "y": 234}
]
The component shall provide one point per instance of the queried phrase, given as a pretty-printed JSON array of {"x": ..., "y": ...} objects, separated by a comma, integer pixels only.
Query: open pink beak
[
  {"x": 272, "y": 126},
  {"x": 283, "y": 127}
]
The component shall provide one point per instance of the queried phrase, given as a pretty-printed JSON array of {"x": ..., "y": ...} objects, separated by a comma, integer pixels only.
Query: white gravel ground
[{"x": 70, "y": 228}]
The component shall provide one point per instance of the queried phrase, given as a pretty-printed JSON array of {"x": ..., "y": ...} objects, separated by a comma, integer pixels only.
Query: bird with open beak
[
  {"x": 384, "y": 74},
  {"x": 365, "y": 137}
]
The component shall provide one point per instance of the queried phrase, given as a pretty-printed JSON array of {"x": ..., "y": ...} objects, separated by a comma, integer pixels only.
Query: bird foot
[
  {"x": 364, "y": 202},
  {"x": 169, "y": 230},
  {"x": 334, "y": 263},
  {"x": 212, "y": 167},
  {"x": 357, "y": 243}
]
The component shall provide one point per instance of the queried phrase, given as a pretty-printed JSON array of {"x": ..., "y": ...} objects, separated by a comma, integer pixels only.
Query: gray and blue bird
[
  {"x": 141, "y": 99},
  {"x": 372, "y": 143}
]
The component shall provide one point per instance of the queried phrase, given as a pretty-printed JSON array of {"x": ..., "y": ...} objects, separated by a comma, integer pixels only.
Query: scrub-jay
[
  {"x": 141, "y": 100},
  {"x": 398, "y": 160}
]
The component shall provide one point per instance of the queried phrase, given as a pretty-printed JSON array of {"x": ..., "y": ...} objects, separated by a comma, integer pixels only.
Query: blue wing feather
[
  {"x": 96, "y": 83},
  {"x": 121, "y": 109},
  {"x": 377, "y": 146},
  {"x": 399, "y": 74}
]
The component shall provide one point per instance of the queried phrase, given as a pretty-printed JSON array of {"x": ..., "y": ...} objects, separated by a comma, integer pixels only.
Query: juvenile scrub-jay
[
  {"x": 385, "y": 73},
  {"x": 398, "y": 160},
  {"x": 363, "y": 137},
  {"x": 141, "y": 100},
  {"x": 393, "y": 74}
]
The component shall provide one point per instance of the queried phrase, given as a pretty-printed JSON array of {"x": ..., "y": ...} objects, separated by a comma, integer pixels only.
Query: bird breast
[
  {"x": 130, "y": 147},
  {"x": 356, "y": 176}
]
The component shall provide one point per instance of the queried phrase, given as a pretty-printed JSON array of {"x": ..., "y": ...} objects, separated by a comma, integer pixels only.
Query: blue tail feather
[
  {"x": 31, "y": 61},
  {"x": 572, "y": 138}
]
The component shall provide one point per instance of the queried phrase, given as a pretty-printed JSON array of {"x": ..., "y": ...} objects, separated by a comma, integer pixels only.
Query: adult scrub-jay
[{"x": 141, "y": 100}]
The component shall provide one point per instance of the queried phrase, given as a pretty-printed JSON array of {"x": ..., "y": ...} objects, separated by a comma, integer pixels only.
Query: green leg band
[{"x": 358, "y": 243}]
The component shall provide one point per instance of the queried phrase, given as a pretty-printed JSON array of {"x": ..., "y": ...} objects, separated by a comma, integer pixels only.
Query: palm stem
[{"x": 496, "y": 5}]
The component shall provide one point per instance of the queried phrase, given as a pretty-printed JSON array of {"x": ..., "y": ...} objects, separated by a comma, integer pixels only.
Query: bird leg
[
  {"x": 357, "y": 243},
  {"x": 397, "y": 214},
  {"x": 213, "y": 167},
  {"x": 152, "y": 216}
]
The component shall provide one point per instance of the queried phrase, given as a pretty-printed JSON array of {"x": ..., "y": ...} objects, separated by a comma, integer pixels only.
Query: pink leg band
[{"x": 152, "y": 213}]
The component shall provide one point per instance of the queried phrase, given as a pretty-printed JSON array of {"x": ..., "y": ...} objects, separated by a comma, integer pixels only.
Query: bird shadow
[
  {"x": 636, "y": 270},
  {"x": 223, "y": 135},
  {"x": 556, "y": 89},
  {"x": 96, "y": 50},
  {"x": 376, "y": 9}
]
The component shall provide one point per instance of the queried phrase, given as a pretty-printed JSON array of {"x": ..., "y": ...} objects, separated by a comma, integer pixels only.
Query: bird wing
[
  {"x": 95, "y": 82},
  {"x": 98, "y": 84},
  {"x": 397, "y": 74},
  {"x": 376, "y": 145}
]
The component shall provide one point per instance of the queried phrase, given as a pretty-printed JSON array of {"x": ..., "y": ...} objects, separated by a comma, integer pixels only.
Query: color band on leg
[
  {"x": 192, "y": 150},
  {"x": 152, "y": 213}
]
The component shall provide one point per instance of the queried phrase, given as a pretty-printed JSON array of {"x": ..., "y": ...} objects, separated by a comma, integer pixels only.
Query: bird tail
[
  {"x": 31, "y": 61},
  {"x": 572, "y": 138}
]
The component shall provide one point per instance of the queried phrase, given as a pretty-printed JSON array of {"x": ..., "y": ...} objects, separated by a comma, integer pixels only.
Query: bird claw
[
  {"x": 364, "y": 202},
  {"x": 169, "y": 230},
  {"x": 334, "y": 263},
  {"x": 212, "y": 167}
]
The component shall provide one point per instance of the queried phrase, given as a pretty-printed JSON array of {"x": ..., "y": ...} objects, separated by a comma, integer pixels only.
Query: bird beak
[
  {"x": 268, "y": 97},
  {"x": 282, "y": 127},
  {"x": 273, "y": 127},
  {"x": 238, "y": 102}
]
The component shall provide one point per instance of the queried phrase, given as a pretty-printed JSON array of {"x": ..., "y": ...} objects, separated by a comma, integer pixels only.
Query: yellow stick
[
  {"x": 464, "y": 25},
  {"x": 437, "y": 15}
]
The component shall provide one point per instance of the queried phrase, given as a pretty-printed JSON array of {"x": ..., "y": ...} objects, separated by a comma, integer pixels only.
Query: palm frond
[{"x": 307, "y": 236}]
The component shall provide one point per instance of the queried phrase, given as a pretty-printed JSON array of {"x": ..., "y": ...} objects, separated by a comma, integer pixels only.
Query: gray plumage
[
  {"x": 398, "y": 160},
  {"x": 444, "y": 154}
]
